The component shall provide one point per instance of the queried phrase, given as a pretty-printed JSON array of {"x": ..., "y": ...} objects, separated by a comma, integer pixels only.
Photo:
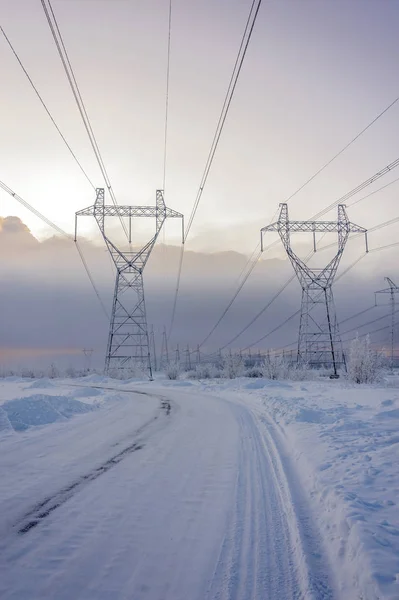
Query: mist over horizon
[{"x": 50, "y": 311}]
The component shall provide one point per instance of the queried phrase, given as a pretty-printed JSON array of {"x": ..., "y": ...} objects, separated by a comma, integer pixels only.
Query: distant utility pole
[
  {"x": 87, "y": 360},
  {"x": 128, "y": 340},
  {"x": 392, "y": 290},
  {"x": 319, "y": 341},
  {"x": 188, "y": 358},
  {"x": 177, "y": 355},
  {"x": 153, "y": 348},
  {"x": 164, "y": 350},
  {"x": 198, "y": 353}
]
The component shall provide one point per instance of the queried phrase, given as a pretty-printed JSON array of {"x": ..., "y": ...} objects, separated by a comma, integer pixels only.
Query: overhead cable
[
  {"x": 167, "y": 96},
  {"x": 46, "y": 108},
  {"x": 43, "y": 218},
  {"x": 249, "y": 27},
  {"x": 59, "y": 42}
]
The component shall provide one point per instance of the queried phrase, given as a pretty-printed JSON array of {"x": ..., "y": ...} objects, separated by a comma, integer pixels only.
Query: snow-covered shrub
[
  {"x": 275, "y": 367},
  {"x": 71, "y": 372},
  {"x": 302, "y": 372},
  {"x": 364, "y": 364},
  {"x": 204, "y": 371},
  {"x": 134, "y": 372},
  {"x": 173, "y": 370},
  {"x": 232, "y": 366},
  {"x": 53, "y": 371},
  {"x": 254, "y": 371},
  {"x": 29, "y": 373}
]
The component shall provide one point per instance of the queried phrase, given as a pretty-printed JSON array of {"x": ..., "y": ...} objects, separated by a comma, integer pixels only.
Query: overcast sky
[{"x": 316, "y": 73}]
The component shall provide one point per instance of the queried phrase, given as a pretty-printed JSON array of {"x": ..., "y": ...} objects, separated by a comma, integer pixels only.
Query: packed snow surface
[{"x": 242, "y": 489}]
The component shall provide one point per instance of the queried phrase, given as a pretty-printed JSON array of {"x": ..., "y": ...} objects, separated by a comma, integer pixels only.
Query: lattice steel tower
[
  {"x": 391, "y": 290},
  {"x": 319, "y": 341},
  {"x": 128, "y": 341}
]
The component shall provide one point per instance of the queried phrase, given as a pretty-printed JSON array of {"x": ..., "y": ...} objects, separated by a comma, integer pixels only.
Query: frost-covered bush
[
  {"x": 275, "y": 367},
  {"x": 71, "y": 372},
  {"x": 254, "y": 371},
  {"x": 204, "y": 371},
  {"x": 232, "y": 366},
  {"x": 53, "y": 371},
  {"x": 135, "y": 372},
  {"x": 172, "y": 370},
  {"x": 302, "y": 372},
  {"x": 364, "y": 364},
  {"x": 29, "y": 373}
]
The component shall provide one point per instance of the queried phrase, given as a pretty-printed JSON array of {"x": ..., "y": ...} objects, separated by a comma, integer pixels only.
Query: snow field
[
  {"x": 343, "y": 442},
  {"x": 228, "y": 490}
]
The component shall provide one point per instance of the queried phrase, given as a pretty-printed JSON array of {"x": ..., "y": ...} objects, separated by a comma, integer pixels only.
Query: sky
[{"x": 316, "y": 73}]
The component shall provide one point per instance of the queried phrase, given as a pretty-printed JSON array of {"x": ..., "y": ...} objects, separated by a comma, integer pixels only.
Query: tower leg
[
  {"x": 128, "y": 349},
  {"x": 319, "y": 342}
]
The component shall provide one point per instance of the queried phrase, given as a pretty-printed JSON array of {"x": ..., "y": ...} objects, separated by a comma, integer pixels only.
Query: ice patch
[{"x": 37, "y": 410}]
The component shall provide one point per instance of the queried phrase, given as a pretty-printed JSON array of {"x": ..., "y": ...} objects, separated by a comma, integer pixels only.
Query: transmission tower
[
  {"x": 177, "y": 354},
  {"x": 188, "y": 358},
  {"x": 164, "y": 350},
  {"x": 153, "y": 349},
  {"x": 392, "y": 290},
  {"x": 319, "y": 341},
  {"x": 128, "y": 341},
  {"x": 87, "y": 354}
]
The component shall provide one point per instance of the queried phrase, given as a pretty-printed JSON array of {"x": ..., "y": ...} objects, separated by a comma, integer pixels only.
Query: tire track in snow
[
  {"x": 44, "y": 508},
  {"x": 270, "y": 549}
]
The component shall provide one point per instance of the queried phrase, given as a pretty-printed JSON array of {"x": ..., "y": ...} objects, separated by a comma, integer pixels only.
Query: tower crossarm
[
  {"x": 353, "y": 228},
  {"x": 312, "y": 226},
  {"x": 128, "y": 211}
]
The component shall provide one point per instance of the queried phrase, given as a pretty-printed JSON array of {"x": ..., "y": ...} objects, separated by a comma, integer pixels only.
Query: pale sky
[{"x": 316, "y": 72}]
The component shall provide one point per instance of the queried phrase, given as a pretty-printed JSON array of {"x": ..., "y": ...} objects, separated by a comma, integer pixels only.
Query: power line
[
  {"x": 167, "y": 95},
  {"x": 59, "y": 42},
  {"x": 45, "y": 107},
  {"x": 226, "y": 105},
  {"x": 359, "y": 188},
  {"x": 375, "y": 330},
  {"x": 249, "y": 27},
  {"x": 38, "y": 214},
  {"x": 327, "y": 164},
  {"x": 365, "y": 324},
  {"x": 358, "y": 314}
]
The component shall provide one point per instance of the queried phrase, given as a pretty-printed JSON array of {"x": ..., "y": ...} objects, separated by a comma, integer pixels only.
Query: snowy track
[
  {"x": 197, "y": 503},
  {"x": 270, "y": 550}
]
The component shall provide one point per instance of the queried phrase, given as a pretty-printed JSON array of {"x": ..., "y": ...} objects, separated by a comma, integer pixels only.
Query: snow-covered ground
[{"x": 242, "y": 489}]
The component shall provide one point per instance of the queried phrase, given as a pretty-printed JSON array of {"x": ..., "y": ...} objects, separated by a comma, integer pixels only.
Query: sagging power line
[{"x": 249, "y": 27}]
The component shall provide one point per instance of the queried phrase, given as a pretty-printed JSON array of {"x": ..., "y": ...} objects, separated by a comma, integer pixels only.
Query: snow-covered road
[{"x": 172, "y": 495}]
